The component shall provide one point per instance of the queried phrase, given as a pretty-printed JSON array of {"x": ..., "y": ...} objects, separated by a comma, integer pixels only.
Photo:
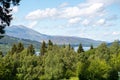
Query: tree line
[{"x": 60, "y": 62}]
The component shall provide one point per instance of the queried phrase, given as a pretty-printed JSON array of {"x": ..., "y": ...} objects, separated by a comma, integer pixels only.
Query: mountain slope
[
  {"x": 27, "y": 33},
  {"x": 7, "y": 41}
]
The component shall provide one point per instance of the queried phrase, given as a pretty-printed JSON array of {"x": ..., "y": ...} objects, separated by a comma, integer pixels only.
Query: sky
[{"x": 94, "y": 19}]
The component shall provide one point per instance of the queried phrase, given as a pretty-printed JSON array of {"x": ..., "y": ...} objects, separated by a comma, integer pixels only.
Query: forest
[
  {"x": 55, "y": 62},
  {"x": 60, "y": 62}
]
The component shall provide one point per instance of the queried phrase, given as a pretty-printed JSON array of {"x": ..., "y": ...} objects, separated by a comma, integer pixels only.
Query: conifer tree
[
  {"x": 43, "y": 48},
  {"x": 91, "y": 47},
  {"x": 1, "y": 53},
  {"x": 13, "y": 49},
  {"x": 50, "y": 43},
  {"x": 63, "y": 45},
  {"x": 20, "y": 47},
  {"x": 69, "y": 47},
  {"x": 31, "y": 50},
  {"x": 80, "y": 49}
]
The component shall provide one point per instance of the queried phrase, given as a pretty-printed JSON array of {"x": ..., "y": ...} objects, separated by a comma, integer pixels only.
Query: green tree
[
  {"x": 91, "y": 47},
  {"x": 50, "y": 43},
  {"x": 102, "y": 51},
  {"x": 20, "y": 47},
  {"x": 80, "y": 49},
  {"x": 98, "y": 70},
  {"x": 60, "y": 63},
  {"x": 5, "y": 16},
  {"x": 30, "y": 50},
  {"x": 1, "y": 54},
  {"x": 115, "y": 64},
  {"x": 69, "y": 47},
  {"x": 43, "y": 48},
  {"x": 13, "y": 49},
  {"x": 115, "y": 47}
]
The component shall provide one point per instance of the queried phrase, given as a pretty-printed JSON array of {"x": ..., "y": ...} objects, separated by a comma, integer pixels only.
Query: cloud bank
[{"x": 88, "y": 13}]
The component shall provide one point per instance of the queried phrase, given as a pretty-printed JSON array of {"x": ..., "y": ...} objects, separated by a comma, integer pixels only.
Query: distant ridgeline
[
  {"x": 22, "y": 32},
  {"x": 7, "y": 41}
]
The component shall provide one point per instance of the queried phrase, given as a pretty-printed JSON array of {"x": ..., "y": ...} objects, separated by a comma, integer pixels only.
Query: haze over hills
[{"x": 23, "y": 32}]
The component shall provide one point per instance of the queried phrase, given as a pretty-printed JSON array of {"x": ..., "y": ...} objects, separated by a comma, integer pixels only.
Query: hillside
[
  {"x": 27, "y": 33},
  {"x": 7, "y": 41}
]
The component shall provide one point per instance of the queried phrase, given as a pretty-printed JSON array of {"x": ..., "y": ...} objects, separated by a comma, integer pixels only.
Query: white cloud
[
  {"x": 89, "y": 11},
  {"x": 74, "y": 20},
  {"x": 85, "y": 22},
  {"x": 101, "y": 22},
  {"x": 106, "y": 2},
  {"x": 64, "y": 4},
  {"x": 15, "y": 9},
  {"x": 39, "y": 14},
  {"x": 68, "y": 12},
  {"x": 93, "y": 9},
  {"x": 32, "y": 24},
  {"x": 115, "y": 33}
]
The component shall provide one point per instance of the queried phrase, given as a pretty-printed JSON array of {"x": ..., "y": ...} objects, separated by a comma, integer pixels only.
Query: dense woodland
[
  {"x": 60, "y": 62},
  {"x": 56, "y": 62}
]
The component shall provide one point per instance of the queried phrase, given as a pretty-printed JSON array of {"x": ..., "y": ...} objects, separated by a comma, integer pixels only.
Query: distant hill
[
  {"x": 23, "y": 32},
  {"x": 7, "y": 41},
  {"x": 110, "y": 43}
]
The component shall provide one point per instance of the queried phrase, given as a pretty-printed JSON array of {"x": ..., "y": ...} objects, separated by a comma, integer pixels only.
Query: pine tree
[
  {"x": 80, "y": 49},
  {"x": 13, "y": 49},
  {"x": 50, "y": 43},
  {"x": 69, "y": 47},
  {"x": 91, "y": 47},
  {"x": 43, "y": 48},
  {"x": 30, "y": 50},
  {"x": 63, "y": 45},
  {"x": 1, "y": 53},
  {"x": 20, "y": 47}
]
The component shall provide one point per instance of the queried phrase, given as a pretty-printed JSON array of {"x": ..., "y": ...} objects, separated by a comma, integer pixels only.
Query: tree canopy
[
  {"x": 60, "y": 63},
  {"x": 5, "y": 13}
]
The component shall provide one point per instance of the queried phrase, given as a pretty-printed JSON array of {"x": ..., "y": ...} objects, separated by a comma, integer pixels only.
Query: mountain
[{"x": 23, "y": 32}]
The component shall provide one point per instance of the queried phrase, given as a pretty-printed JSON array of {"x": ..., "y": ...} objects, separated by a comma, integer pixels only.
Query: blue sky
[{"x": 95, "y": 19}]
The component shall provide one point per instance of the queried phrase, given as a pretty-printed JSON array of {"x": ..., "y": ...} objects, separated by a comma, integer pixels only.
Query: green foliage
[
  {"x": 30, "y": 50},
  {"x": 7, "y": 43},
  {"x": 1, "y": 54},
  {"x": 80, "y": 49},
  {"x": 50, "y": 43},
  {"x": 74, "y": 78},
  {"x": 98, "y": 69},
  {"x": 20, "y": 47},
  {"x": 103, "y": 51},
  {"x": 91, "y": 47},
  {"x": 60, "y": 63},
  {"x": 14, "y": 49},
  {"x": 43, "y": 48},
  {"x": 115, "y": 47}
]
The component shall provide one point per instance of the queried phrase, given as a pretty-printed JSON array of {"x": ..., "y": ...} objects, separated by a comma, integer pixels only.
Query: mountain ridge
[{"x": 23, "y": 32}]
